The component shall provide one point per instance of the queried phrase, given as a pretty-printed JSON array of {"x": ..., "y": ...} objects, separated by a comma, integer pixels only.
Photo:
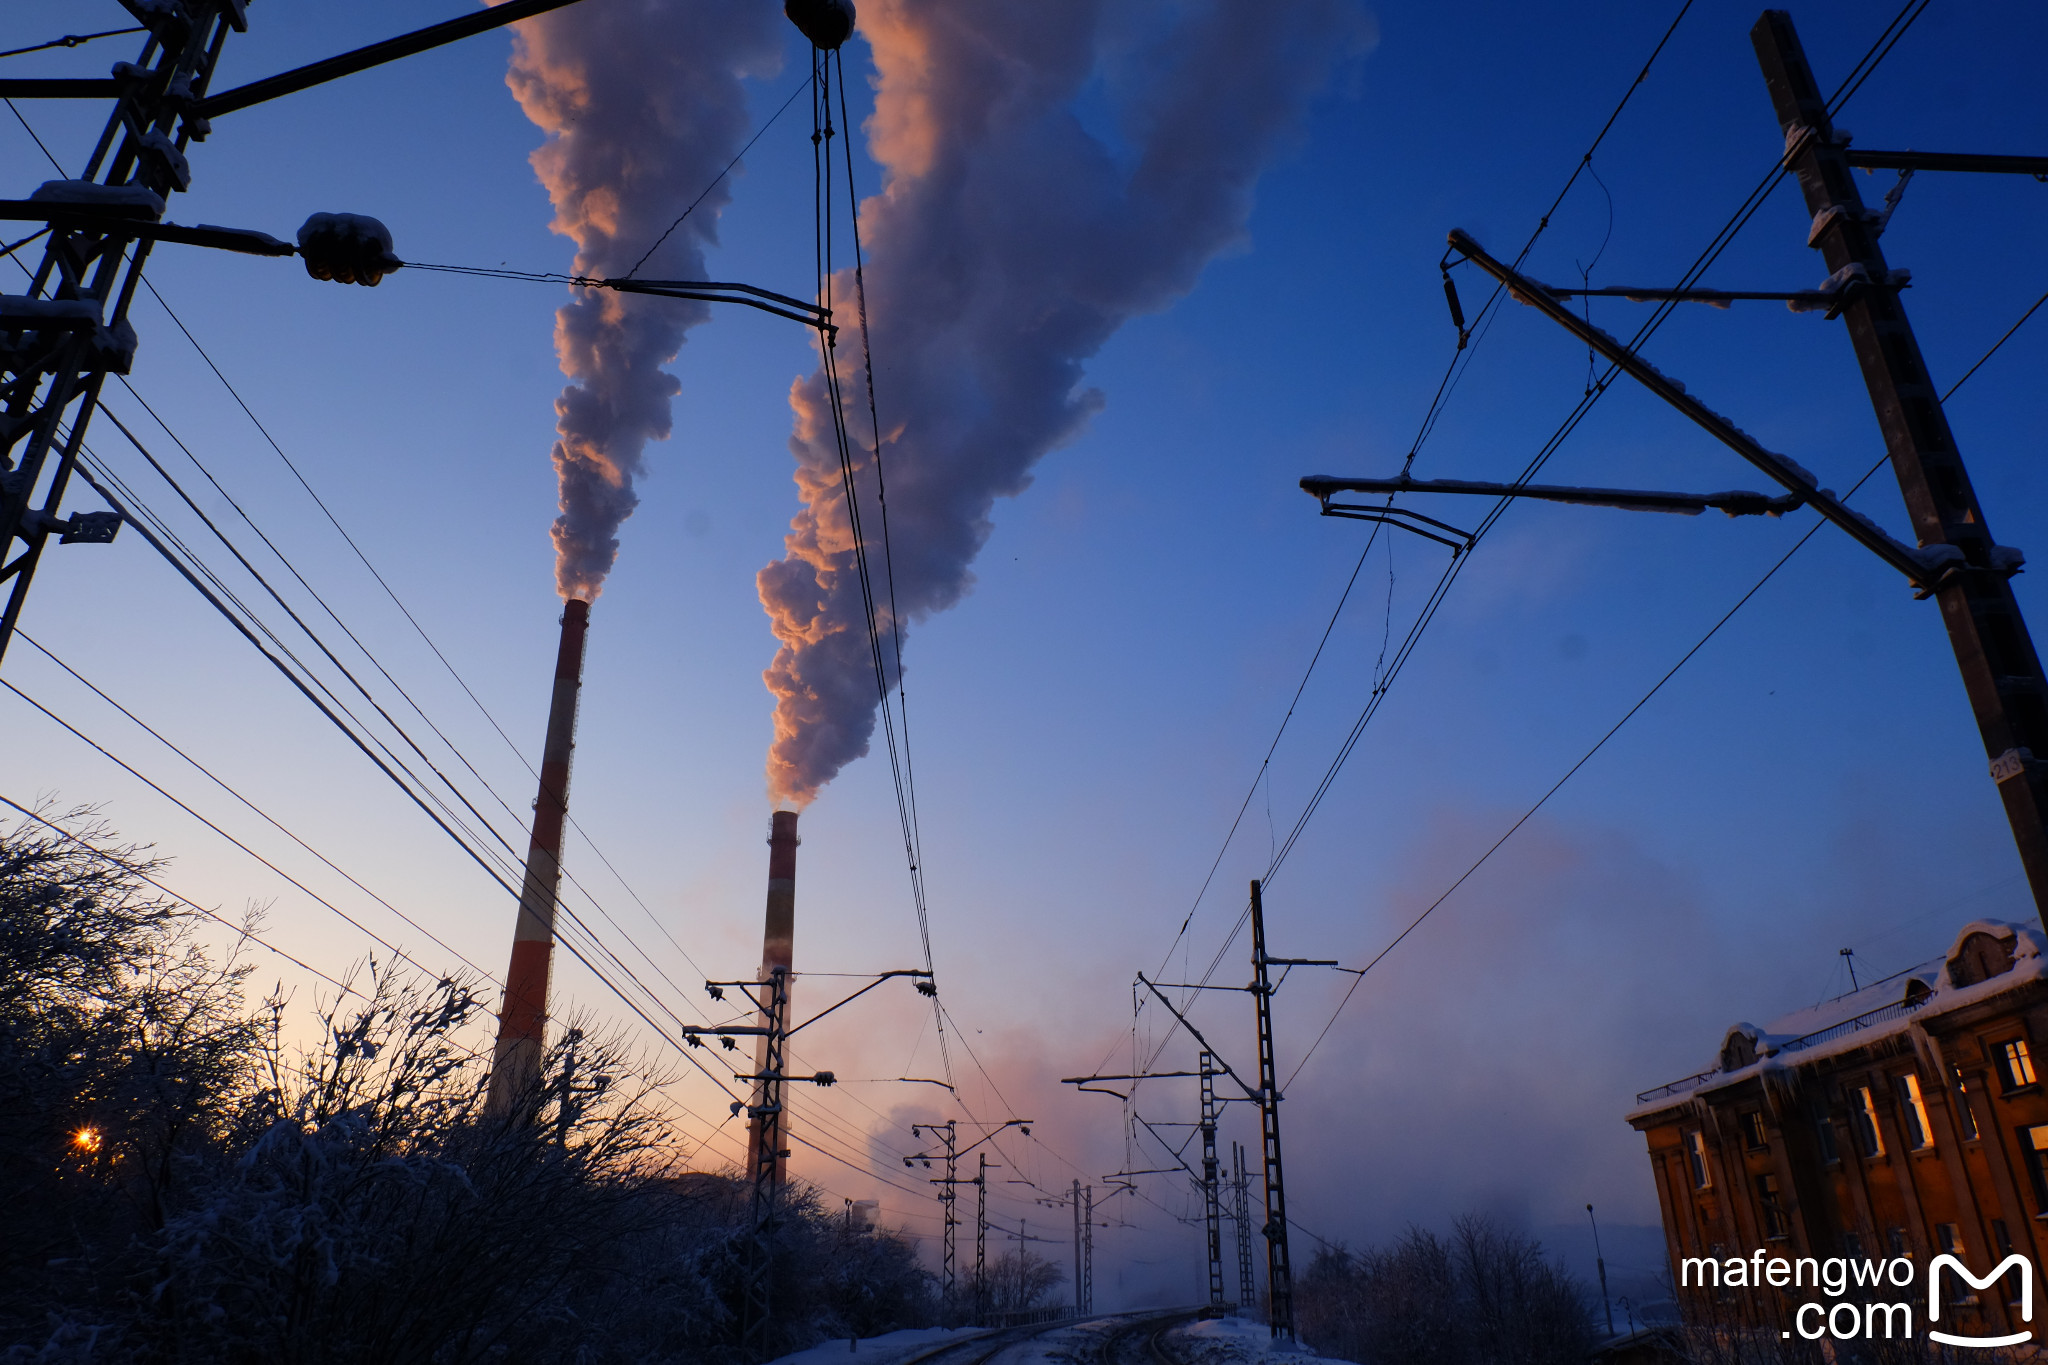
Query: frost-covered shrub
[
  {"x": 123, "y": 1054},
  {"x": 184, "y": 1183},
  {"x": 1483, "y": 1294}
]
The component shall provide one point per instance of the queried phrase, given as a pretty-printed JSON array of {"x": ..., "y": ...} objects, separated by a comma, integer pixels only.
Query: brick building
[{"x": 1903, "y": 1119}]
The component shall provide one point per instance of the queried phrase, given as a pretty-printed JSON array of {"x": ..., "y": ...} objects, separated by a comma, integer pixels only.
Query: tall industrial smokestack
[
  {"x": 778, "y": 941},
  {"x": 522, "y": 1019}
]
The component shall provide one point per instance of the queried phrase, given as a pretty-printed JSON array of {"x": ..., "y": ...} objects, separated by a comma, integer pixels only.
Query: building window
[
  {"x": 1696, "y": 1149},
  {"x": 1767, "y": 1200},
  {"x": 1863, "y": 1117},
  {"x": 1852, "y": 1246},
  {"x": 1951, "y": 1239},
  {"x": 1913, "y": 1114},
  {"x": 1895, "y": 1241},
  {"x": 2034, "y": 1146},
  {"x": 2015, "y": 1064},
  {"x": 2002, "y": 1239},
  {"x": 1753, "y": 1129},
  {"x": 1966, "y": 1118},
  {"x": 1825, "y": 1126}
]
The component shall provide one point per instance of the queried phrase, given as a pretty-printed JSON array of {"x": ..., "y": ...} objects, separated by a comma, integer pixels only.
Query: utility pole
[
  {"x": 60, "y": 341},
  {"x": 1211, "y": 1207},
  {"x": 949, "y": 1185},
  {"x": 949, "y": 1221},
  {"x": 764, "y": 1117},
  {"x": 1279, "y": 1275},
  {"x": 1080, "y": 1289},
  {"x": 2001, "y": 670},
  {"x": 765, "y": 1113},
  {"x": 1247, "y": 1284},
  {"x": 1087, "y": 1248},
  {"x": 981, "y": 1243}
]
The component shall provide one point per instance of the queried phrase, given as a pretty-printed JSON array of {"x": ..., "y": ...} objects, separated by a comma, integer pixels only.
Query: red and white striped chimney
[{"x": 522, "y": 1019}]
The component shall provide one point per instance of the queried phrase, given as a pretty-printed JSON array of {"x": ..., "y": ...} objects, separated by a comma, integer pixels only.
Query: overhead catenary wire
[
  {"x": 1359, "y": 973},
  {"x": 1460, "y": 358},
  {"x": 1752, "y": 203}
]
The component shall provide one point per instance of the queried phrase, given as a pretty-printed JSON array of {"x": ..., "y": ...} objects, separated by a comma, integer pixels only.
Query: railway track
[{"x": 1135, "y": 1339}]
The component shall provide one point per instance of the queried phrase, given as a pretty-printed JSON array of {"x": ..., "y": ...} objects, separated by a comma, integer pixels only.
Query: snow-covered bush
[
  {"x": 1481, "y": 1296},
  {"x": 184, "y": 1182}
]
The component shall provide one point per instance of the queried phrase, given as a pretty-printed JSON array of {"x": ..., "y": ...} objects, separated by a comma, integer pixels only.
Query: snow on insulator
[
  {"x": 72, "y": 314},
  {"x": 92, "y": 194},
  {"x": 166, "y": 154},
  {"x": 827, "y": 23},
  {"x": 349, "y": 248}
]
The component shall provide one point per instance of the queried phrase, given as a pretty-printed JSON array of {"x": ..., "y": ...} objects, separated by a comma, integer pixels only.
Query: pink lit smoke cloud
[
  {"x": 1007, "y": 245},
  {"x": 643, "y": 104}
]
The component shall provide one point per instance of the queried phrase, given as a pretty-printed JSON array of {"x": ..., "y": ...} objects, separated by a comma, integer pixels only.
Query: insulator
[
  {"x": 827, "y": 23},
  {"x": 348, "y": 248}
]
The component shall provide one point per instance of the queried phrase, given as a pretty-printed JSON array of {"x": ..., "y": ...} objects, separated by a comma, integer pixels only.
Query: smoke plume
[
  {"x": 1008, "y": 243},
  {"x": 643, "y": 105}
]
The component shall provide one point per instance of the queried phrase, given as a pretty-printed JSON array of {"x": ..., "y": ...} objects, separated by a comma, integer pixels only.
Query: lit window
[
  {"x": 2016, "y": 1064},
  {"x": 2003, "y": 1240},
  {"x": 2034, "y": 1146},
  {"x": 1913, "y": 1114},
  {"x": 1863, "y": 1117},
  {"x": 1966, "y": 1118},
  {"x": 1753, "y": 1128},
  {"x": 1767, "y": 1200},
  {"x": 1696, "y": 1150}
]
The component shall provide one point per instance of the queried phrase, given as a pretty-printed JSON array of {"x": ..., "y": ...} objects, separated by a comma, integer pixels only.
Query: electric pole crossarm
[
  {"x": 2036, "y": 166},
  {"x": 118, "y": 224},
  {"x": 1736, "y": 504},
  {"x": 376, "y": 54},
  {"x": 880, "y": 977},
  {"x": 1251, "y": 1092},
  {"x": 1803, "y": 300},
  {"x": 1922, "y": 567},
  {"x": 59, "y": 89}
]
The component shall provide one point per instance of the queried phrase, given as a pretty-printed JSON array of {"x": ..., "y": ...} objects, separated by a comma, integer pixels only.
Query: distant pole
[
  {"x": 982, "y": 1241},
  {"x": 1279, "y": 1275},
  {"x": 1211, "y": 1207},
  {"x": 1600, "y": 1263},
  {"x": 1247, "y": 1281},
  {"x": 1088, "y": 1248},
  {"x": 948, "y": 1289},
  {"x": 1849, "y": 956},
  {"x": 1080, "y": 1291}
]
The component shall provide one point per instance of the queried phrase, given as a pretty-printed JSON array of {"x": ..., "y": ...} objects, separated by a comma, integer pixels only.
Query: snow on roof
[{"x": 1854, "y": 1020}]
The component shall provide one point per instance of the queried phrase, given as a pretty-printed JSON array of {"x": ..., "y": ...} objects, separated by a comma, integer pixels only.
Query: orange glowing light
[{"x": 86, "y": 1139}]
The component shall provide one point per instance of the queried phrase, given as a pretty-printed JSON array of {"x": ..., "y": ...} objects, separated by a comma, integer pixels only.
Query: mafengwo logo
[{"x": 1859, "y": 1319}]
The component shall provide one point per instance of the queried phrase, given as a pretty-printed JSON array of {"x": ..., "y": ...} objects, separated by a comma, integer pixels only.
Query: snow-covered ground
[
  {"x": 886, "y": 1349},
  {"x": 1233, "y": 1341}
]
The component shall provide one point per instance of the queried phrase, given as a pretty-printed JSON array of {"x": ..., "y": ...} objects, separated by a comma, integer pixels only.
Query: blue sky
[{"x": 1088, "y": 720}]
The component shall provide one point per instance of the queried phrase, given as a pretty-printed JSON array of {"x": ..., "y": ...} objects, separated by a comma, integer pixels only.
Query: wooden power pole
[{"x": 2001, "y": 670}]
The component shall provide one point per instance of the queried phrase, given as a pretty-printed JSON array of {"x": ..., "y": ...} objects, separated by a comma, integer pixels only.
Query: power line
[{"x": 1631, "y": 712}]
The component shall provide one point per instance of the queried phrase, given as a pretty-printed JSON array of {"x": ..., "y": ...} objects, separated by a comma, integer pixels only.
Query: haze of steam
[
  {"x": 1007, "y": 245},
  {"x": 643, "y": 104}
]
